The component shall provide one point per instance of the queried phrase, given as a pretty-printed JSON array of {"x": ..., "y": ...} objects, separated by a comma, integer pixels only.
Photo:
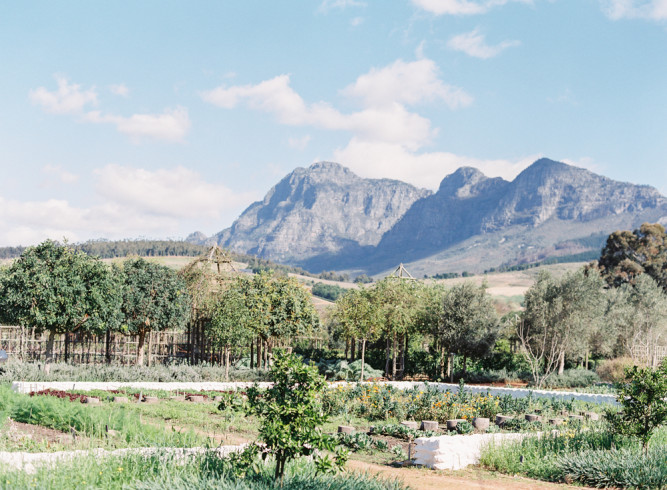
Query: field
[{"x": 58, "y": 421}]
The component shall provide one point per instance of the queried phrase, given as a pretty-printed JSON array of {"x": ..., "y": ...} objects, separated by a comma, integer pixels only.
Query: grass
[
  {"x": 92, "y": 421},
  {"x": 164, "y": 471},
  {"x": 570, "y": 456}
]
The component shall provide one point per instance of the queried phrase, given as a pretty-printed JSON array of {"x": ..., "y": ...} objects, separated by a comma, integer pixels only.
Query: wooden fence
[
  {"x": 650, "y": 355},
  {"x": 160, "y": 347}
]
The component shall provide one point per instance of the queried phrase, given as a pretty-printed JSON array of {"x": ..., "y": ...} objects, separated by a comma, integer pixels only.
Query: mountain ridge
[{"x": 327, "y": 217}]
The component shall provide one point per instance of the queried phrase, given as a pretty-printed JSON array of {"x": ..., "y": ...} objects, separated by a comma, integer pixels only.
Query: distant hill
[{"x": 325, "y": 217}]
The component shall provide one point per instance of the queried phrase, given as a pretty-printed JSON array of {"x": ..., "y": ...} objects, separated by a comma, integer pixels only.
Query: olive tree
[
  {"x": 154, "y": 298},
  {"x": 52, "y": 287},
  {"x": 559, "y": 319},
  {"x": 357, "y": 317},
  {"x": 468, "y": 324}
]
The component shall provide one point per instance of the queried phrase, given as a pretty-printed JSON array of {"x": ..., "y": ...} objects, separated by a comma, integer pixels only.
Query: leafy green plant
[
  {"x": 361, "y": 442},
  {"x": 464, "y": 427},
  {"x": 622, "y": 468},
  {"x": 291, "y": 412},
  {"x": 643, "y": 399}
]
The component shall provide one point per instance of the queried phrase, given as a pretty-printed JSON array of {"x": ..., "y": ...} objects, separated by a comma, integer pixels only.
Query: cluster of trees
[
  {"x": 57, "y": 289},
  {"x": 327, "y": 291},
  {"x": 457, "y": 321}
]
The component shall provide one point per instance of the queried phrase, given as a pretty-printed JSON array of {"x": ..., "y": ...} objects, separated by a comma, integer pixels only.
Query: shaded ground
[{"x": 475, "y": 478}]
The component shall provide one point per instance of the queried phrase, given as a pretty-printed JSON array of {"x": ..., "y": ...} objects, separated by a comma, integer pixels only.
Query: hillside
[{"x": 324, "y": 217}]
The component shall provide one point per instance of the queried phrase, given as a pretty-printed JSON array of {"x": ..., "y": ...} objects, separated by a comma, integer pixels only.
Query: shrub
[
  {"x": 573, "y": 378},
  {"x": 344, "y": 371},
  {"x": 613, "y": 370},
  {"x": 644, "y": 401},
  {"x": 616, "y": 468},
  {"x": 291, "y": 413}
]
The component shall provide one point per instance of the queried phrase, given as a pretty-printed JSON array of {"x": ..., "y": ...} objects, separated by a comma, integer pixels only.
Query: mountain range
[{"x": 325, "y": 217}]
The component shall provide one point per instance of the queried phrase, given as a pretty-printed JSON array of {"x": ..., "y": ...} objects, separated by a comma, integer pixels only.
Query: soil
[
  {"x": 476, "y": 478},
  {"x": 18, "y": 431}
]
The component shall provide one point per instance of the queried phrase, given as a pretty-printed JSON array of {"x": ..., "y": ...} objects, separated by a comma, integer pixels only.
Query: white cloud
[
  {"x": 377, "y": 160},
  {"x": 328, "y": 5},
  {"x": 57, "y": 174},
  {"x": 461, "y": 7},
  {"x": 120, "y": 89},
  {"x": 299, "y": 143},
  {"x": 473, "y": 44},
  {"x": 174, "y": 193},
  {"x": 171, "y": 125},
  {"x": 356, "y": 21},
  {"x": 384, "y": 93},
  {"x": 635, "y": 9},
  {"x": 405, "y": 83},
  {"x": 132, "y": 202},
  {"x": 69, "y": 98}
]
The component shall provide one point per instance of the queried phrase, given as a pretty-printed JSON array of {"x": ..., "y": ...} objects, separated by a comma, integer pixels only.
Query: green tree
[
  {"x": 154, "y": 298},
  {"x": 274, "y": 307},
  {"x": 637, "y": 313},
  {"x": 560, "y": 317},
  {"x": 398, "y": 301},
  {"x": 643, "y": 399},
  {"x": 627, "y": 255},
  {"x": 230, "y": 324},
  {"x": 468, "y": 324},
  {"x": 291, "y": 412},
  {"x": 54, "y": 288},
  {"x": 357, "y": 317}
]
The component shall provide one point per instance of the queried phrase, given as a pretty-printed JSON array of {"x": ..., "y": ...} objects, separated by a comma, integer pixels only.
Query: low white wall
[
  {"x": 27, "y": 387},
  {"x": 456, "y": 452},
  {"x": 29, "y": 462}
]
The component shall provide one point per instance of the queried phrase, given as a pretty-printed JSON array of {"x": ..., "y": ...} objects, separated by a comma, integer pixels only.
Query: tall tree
[
  {"x": 154, "y": 298},
  {"x": 469, "y": 324},
  {"x": 559, "y": 319},
  {"x": 54, "y": 288},
  {"x": 357, "y": 317},
  {"x": 627, "y": 255},
  {"x": 398, "y": 301},
  {"x": 638, "y": 312}
]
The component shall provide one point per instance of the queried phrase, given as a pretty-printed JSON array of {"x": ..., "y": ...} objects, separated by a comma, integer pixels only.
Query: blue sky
[{"x": 156, "y": 119}]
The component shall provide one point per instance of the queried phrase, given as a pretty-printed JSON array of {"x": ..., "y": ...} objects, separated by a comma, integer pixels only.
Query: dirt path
[{"x": 476, "y": 478}]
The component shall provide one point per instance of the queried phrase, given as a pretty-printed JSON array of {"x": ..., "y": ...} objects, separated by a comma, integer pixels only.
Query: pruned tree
[
  {"x": 468, "y": 324},
  {"x": 559, "y": 318},
  {"x": 356, "y": 316},
  {"x": 154, "y": 298},
  {"x": 52, "y": 287}
]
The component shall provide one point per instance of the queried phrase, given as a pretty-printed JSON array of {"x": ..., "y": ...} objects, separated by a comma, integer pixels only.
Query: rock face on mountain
[
  {"x": 326, "y": 217},
  {"x": 469, "y": 203},
  {"x": 322, "y": 210}
]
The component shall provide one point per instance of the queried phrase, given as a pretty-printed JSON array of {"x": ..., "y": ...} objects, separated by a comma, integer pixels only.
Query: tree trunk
[
  {"x": 404, "y": 358},
  {"x": 586, "y": 360},
  {"x": 252, "y": 354},
  {"x": 442, "y": 363},
  {"x": 450, "y": 367},
  {"x": 353, "y": 353},
  {"x": 49, "y": 346},
  {"x": 363, "y": 356},
  {"x": 150, "y": 347},
  {"x": 226, "y": 354},
  {"x": 393, "y": 358},
  {"x": 561, "y": 363},
  {"x": 107, "y": 347},
  {"x": 140, "y": 348},
  {"x": 66, "y": 347},
  {"x": 387, "y": 358},
  {"x": 347, "y": 349},
  {"x": 465, "y": 364},
  {"x": 259, "y": 353},
  {"x": 401, "y": 356}
]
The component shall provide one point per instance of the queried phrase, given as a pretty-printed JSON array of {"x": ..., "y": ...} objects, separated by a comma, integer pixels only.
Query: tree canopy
[{"x": 54, "y": 288}]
